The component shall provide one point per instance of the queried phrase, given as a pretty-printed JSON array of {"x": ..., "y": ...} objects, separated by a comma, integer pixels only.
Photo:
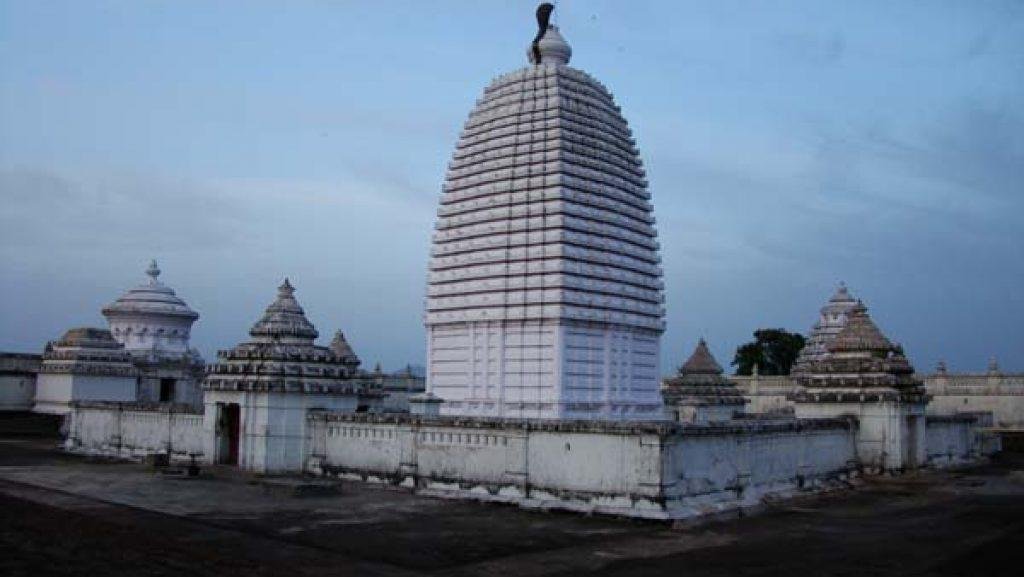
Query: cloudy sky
[{"x": 789, "y": 145}]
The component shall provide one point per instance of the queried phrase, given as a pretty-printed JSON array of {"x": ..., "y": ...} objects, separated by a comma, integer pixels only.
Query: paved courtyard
[{"x": 67, "y": 515}]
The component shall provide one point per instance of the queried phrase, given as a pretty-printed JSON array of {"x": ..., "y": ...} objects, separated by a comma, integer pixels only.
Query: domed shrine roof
[
  {"x": 860, "y": 334},
  {"x": 700, "y": 381},
  {"x": 831, "y": 320},
  {"x": 282, "y": 356},
  {"x": 861, "y": 357},
  {"x": 340, "y": 347},
  {"x": 545, "y": 212},
  {"x": 151, "y": 298},
  {"x": 89, "y": 351},
  {"x": 87, "y": 337},
  {"x": 284, "y": 319},
  {"x": 701, "y": 362}
]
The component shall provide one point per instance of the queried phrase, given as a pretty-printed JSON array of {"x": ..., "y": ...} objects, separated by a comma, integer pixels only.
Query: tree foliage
[{"x": 773, "y": 351}]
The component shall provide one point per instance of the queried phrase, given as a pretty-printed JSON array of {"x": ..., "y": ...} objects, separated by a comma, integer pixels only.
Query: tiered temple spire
[
  {"x": 861, "y": 358},
  {"x": 284, "y": 320},
  {"x": 545, "y": 251},
  {"x": 832, "y": 319},
  {"x": 282, "y": 355}
]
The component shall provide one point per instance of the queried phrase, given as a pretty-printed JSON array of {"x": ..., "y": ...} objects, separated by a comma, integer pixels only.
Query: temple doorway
[
  {"x": 228, "y": 429},
  {"x": 167, "y": 390}
]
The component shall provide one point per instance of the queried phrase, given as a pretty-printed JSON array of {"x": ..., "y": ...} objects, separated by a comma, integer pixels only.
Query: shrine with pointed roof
[
  {"x": 700, "y": 393},
  {"x": 257, "y": 393},
  {"x": 865, "y": 376}
]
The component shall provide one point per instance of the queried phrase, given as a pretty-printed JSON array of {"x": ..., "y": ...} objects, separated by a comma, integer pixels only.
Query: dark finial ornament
[{"x": 543, "y": 18}]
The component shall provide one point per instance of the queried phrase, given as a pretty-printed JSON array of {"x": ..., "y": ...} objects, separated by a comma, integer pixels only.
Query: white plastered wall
[{"x": 544, "y": 369}]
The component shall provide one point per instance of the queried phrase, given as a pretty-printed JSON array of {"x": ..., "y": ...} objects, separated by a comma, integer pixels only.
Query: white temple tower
[{"x": 544, "y": 289}]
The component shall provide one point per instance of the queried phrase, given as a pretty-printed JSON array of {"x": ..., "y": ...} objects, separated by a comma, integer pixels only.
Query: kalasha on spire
[{"x": 548, "y": 47}]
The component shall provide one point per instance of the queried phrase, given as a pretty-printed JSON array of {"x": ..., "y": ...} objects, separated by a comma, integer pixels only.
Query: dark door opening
[
  {"x": 228, "y": 429},
  {"x": 166, "y": 390}
]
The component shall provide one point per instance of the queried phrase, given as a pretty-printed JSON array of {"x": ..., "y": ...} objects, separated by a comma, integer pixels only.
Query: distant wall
[
  {"x": 766, "y": 394},
  {"x": 958, "y": 439},
  {"x": 656, "y": 470},
  {"x": 134, "y": 430},
  {"x": 18, "y": 380},
  {"x": 17, "y": 392},
  {"x": 55, "y": 392},
  {"x": 1001, "y": 394}
]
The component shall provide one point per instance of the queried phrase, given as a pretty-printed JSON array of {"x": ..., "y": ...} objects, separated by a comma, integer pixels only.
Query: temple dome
[
  {"x": 702, "y": 374},
  {"x": 831, "y": 320},
  {"x": 701, "y": 362},
  {"x": 340, "y": 347},
  {"x": 700, "y": 383},
  {"x": 151, "y": 319},
  {"x": 87, "y": 338},
  {"x": 151, "y": 298},
  {"x": 89, "y": 351},
  {"x": 282, "y": 356},
  {"x": 859, "y": 334},
  {"x": 860, "y": 357},
  {"x": 284, "y": 319},
  {"x": 545, "y": 211}
]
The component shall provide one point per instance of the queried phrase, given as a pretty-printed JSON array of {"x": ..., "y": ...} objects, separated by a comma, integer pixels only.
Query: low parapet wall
[
  {"x": 135, "y": 430},
  {"x": 652, "y": 470}
]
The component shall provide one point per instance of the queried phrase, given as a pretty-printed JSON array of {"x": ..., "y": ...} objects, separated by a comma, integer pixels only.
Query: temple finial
[
  {"x": 286, "y": 288},
  {"x": 153, "y": 271},
  {"x": 548, "y": 46}
]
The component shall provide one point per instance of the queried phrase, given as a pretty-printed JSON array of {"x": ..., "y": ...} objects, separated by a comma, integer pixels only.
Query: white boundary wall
[
  {"x": 135, "y": 430},
  {"x": 652, "y": 470}
]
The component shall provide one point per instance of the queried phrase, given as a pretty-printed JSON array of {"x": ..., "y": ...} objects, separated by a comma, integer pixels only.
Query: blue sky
[{"x": 789, "y": 145}]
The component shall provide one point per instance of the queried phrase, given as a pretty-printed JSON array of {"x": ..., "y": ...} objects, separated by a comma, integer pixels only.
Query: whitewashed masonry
[{"x": 544, "y": 290}]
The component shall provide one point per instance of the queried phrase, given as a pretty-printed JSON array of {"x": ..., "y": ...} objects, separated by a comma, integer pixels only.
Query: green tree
[{"x": 773, "y": 351}]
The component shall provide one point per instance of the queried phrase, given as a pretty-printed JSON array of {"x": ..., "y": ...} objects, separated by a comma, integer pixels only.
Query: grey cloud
[{"x": 44, "y": 210}]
